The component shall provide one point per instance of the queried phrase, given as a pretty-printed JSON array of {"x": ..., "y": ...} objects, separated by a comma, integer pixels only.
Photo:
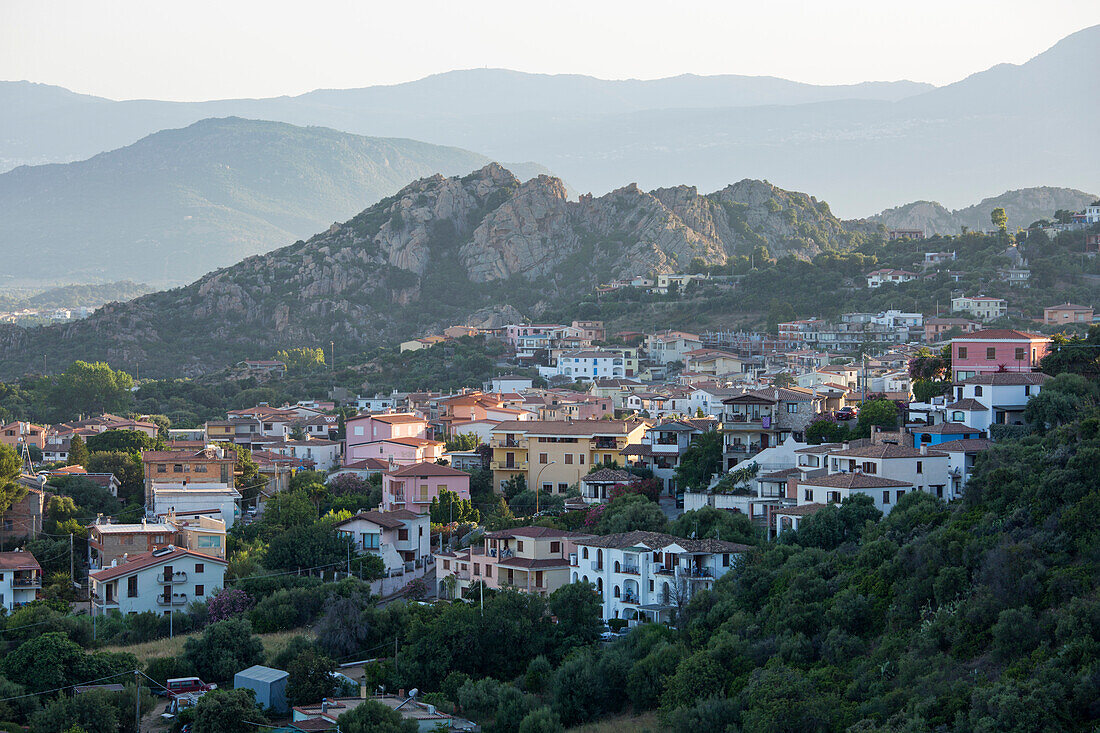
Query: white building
[
  {"x": 1092, "y": 213},
  {"x": 378, "y": 403},
  {"x": 664, "y": 348},
  {"x": 324, "y": 453},
  {"x": 663, "y": 445},
  {"x": 648, "y": 576},
  {"x": 586, "y": 366},
  {"x": 401, "y": 538},
  {"x": 509, "y": 383},
  {"x": 20, "y": 579},
  {"x": 885, "y": 472},
  {"x": 160, "y": 581},
  {"x": 980, "y": 306},
  {"x": 881, "y": 277},
  {"x": 961, "y": 455},
  {"x": 993, "y": 398},
  {"x": 187, "y": 498}
]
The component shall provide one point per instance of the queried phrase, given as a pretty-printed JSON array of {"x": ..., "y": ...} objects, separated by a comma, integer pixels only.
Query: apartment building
[
  {"x": 1067, "y": 313},
  {"x": 663, "y": 445},
  {"x": 759, "y": 419},
  {"x": 527, "y": 559},
  {"x": 884, "y": 471},
  {"x": 108, "y": 542},
  {"x": 996, "y": 398},
  {"x": 160, "y": 581},
  {"x": 664, "y": 348},
  {"x": 555, "y": 454},
  {"x": 211, "y": 467},
  {"x": 397, "y": 437},
  {"x": 980, "y": 306},
  {"x": 20, "y": 579},
  {"x": 997, "y": 350},
  {"x": 650, "y": 576},
  {"x": 414, "y": 487}
]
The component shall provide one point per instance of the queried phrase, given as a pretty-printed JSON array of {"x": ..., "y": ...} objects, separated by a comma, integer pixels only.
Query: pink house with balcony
[
  {"x": 997, "y": 350},
  {"x": 400, "y": 438},
  {"x": 413, "y": 487}
]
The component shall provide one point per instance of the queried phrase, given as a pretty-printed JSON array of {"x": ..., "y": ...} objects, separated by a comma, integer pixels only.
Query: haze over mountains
[
  {"x": 179, "y": 203},
  {"x": 1022, "y": 206},
  {"x": 862, "y": 147}
]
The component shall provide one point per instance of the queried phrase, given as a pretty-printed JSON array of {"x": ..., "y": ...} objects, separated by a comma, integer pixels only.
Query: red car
[
  {"x": 846, "y": 413},
  {"x": 184, "y": 685}
]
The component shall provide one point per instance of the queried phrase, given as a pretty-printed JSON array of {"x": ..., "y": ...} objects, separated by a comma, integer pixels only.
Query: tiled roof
[
  {"x": 427, "y": 468},
  {"x": 389, "y": 520},
  {"x": 884, "y": 451},
  {"x": 18, "y": 560},
  {"x": 947, "y": 428},
  {"x": 533, "y": 532},
  {"x": 414, "y": 442},
  {"x": 853, "y": 481},
  {"x": 182, "y": 456},
  {"x": 967, "y": 404},
  {"x": 391, "y": 418},
  {"x": 368, "y": 464},
  {"x": 1007, "y": 379},
  {"x": 565, "y": 427},
  {"x": 802, "y": 510},
  {"x": 1000, "y": 333},
  {"x": 533, "y": 563},
  {"x": 149, "y": 560}
]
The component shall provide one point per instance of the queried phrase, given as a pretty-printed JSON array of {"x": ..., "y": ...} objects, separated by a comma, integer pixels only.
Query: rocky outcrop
[
  {"x": 1022, "y": 206},
  {"x": 441, "y": 251}
]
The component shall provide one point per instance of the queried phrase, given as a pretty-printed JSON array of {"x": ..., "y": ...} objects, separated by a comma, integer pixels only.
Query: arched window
[
  {"x": 574, "y": 577},
  {"x": 616, "y": 566},
  {"x": 599, "y": 585},
  {"x": 616, "y": 591},
  {"x": 599, "y": 556},
  {"x": 925, "y": 438},
  {"x": 584, "y": 552}
]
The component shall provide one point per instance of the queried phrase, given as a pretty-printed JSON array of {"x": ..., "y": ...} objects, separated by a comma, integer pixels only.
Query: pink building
[
  {"x": 413, "y": 487},
  {"x": 997, "y": 350},
  {"x": 401, "y": 438},
  {"x": 516, "y": 331}
]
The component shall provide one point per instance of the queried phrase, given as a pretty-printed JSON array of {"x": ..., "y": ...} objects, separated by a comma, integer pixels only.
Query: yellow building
[{"x": 555, "y": 454}]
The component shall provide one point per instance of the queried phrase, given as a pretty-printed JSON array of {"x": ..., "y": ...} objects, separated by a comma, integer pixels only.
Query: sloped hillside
[
  {"x": 437, "y": 252},
  {"x": 1022, "y": 206}
]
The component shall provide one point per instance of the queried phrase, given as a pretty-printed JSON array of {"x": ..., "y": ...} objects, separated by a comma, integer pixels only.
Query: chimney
[
  {"x": 363, "y": 686},
  {"x": 401, "y": 693},
  {"x": 924, "y": 449},
  {"x": 324, "y": 705}
]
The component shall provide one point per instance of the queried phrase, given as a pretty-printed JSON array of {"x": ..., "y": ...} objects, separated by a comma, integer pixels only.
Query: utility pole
[
  {"x": 137, "y": 700},
  {"x": 72, "y": 577}
]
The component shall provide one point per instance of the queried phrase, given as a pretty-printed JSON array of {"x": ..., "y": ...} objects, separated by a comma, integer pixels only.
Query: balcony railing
[
  {"x": 23, "y": 583},
  {"x": 630, "y": 598},
  {"x": 697, "y": 572},
  {"x": 505, "y": 466},
  {"x": 177, "y": 599},
  {"x": 178, "y": 577},
  {"x": 630, "y": 570},
  {"x": 605, "y": 444},
  {"x": 597, "y": 565}
]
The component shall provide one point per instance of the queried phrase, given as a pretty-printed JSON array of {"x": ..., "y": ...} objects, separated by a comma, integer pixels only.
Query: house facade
[
  {"x": 20, "y": 579},
  {"x": 759, "y": 419},
  {"x": 212, "y": 466},
  {"x": 980, "y": 306},
  {"x": 649, "y": 576},
  {"x": 401, "y": 538},
  {"x": 161, "y": 581},
  {"x": 1067, "y": 313},
  {"x": 399, "y": 437},
  {"x": 997, "y": 350},
  {"x": 413, "y": 487}
]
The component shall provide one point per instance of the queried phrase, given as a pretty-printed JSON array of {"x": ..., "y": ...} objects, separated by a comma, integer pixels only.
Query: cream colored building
[{"x": 555, "y": 454}]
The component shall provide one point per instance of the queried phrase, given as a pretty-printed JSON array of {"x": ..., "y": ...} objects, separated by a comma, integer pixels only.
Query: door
[{"x": 764, "y": 440}]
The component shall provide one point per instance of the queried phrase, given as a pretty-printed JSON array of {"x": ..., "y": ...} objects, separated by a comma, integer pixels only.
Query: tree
[
  {"x": 880, "y": 412},
  {"x": 288, "y": 509},
  {"x": 78, "y": 452},
  {"x": 227, "y": 711},
  {"x": 307, "y": 546},
  {"x": 826, "y": 430},
  {"x": 576, "y": 606},
  {"x": 92, "y": 389},
  {"x": 374, "y": 717},
  {"x": 310, "y": 678},
  {"x": 52, "y": 660},
  {"x": 11, "y": 466},
  {"x": 125, "y": 441},
  {"x": 542, "y": 720},
  {"x": 632, "y": 512},
  {"x": 227, "y": 603},
  {"x": 126, "y": 467},
  {"x": 462, "y": 442},
  {"x": 514, "y": 485},
  {"x": 999, "y": 219},
  {"x": 223, "y": 649},
  {"x": 87, "y": 494},
  {"x": 783, "y": 380},
  {"x": 700, "y": 461},
  {"x": 711, "y": 523},
  {"x": 448, "y": 507},
  {"x": 302, "y": 361}
]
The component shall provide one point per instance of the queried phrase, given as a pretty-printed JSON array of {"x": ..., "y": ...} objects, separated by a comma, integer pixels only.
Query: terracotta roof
[
  {"x": 885, "y": 451},
  {"x": 967, "y": 404},
  {"x": 182, "y": 456},
  {"x": 785, "y": 473},
  {"x": 427, "y": 468},
  {"x": 389, "y": 520},
  {"x": 1006, "y": 379},
  {"x": 391, "y": 418},
  {"x": 1000, "y": 333},
  {"x": 818, "y": 449},
  {"x": 368, "y": 464},
  {"x": 533, "y": 532},
  {"x": 533, "y": 563},
  {"x": 947, "y": 428},
  {"x": 966, "y": 445},
  {"x": 657, "y": 540},
  {"x": 566, "y": 427},
  {"x": 415, "y": 442},
  {"x": 19, "y": 560},
  {"x": 853, "y": 481},
  {"x": 149, "y": 560}
]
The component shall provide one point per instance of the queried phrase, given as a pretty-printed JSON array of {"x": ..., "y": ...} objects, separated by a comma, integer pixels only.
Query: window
[
  {"x": 519, "y": 546},
  {"x": 403, "y": 535},
  {"x": 807, "y": 495},
  {"x": 199, "y": 567},
  {"x": 200, "y": 590},
  {"x": 131, "y": 587},
  {"x": 725, "y": 560},
  {"x": 563, "y": 487},
  {"x": 1021, "y": 354},
  {"x": 991, "y": 353},
  {"x": 542, "y": 458},
  {"x": 977, "y": 391},
  {"x": 920, "y": 466},
  {"x": 358, "y": 430},
  {"x": 869, "y": 467},
  {"x": 792, "y": 407},
  {"x": 1027, "y": 389},
  {"x": 488, "y": 571},
  {"x": 580, "y": 456},
  {"x": 584, "y": 553},
  {"x": 177, "y": 468},
  {"x": 885, "y": 497},
  {"x": 446, "y": 564},
  {"x": 158, "y": 539},
  {"x": 207, "y": 540},
  {"x": 477, "y": 568},
  {"x": 161, "y": 468},
  {"x": 962, "y": 352},
  {"x": 569, "y": 459},
  {"x": 901, "y": 493},
  {"x": 555, "y": 547}
]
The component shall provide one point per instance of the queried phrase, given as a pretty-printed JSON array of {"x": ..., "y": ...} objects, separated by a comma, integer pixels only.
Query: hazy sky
[{"x": 203, "y": 49}]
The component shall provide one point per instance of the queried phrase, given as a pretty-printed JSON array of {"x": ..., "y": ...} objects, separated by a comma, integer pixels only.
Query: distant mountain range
[
  {"x": 180, "y": 203},
  {"x": 1022, "y": 206},
  {"x": 863, "y": 147},
  {"x": 476, "y": 248}
]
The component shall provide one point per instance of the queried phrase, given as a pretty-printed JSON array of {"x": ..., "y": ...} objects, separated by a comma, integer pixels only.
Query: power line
[{"x": 68, "y": 687}]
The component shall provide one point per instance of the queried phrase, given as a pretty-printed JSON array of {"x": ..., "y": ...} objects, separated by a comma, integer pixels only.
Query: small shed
[{"x": 268, "y": 684}]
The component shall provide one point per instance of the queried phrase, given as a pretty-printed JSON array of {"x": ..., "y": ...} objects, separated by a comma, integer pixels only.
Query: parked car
[
  {"x": 178, "y": 686},
  {"x": 847, "y": 413}
]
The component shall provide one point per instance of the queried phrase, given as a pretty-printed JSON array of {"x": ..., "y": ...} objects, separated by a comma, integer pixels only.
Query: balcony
[
  {"x": 178, "y": 577},
  {"x": 505, "y": 466},
  {"x": 605, "y": 444},
  {"x": 598, "y": 566},
  {"x": 700, "y": 573},
  {"x": 177, "y": 599},
  {"x": 573, "y": 560},
  {"x": 630, "y": 570},
  {"x": 662, "y": 570},
  {"x": 630, "y": 598},
  {"x": 26, "y": 583},
  {"x": 508, "y": 443}
]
